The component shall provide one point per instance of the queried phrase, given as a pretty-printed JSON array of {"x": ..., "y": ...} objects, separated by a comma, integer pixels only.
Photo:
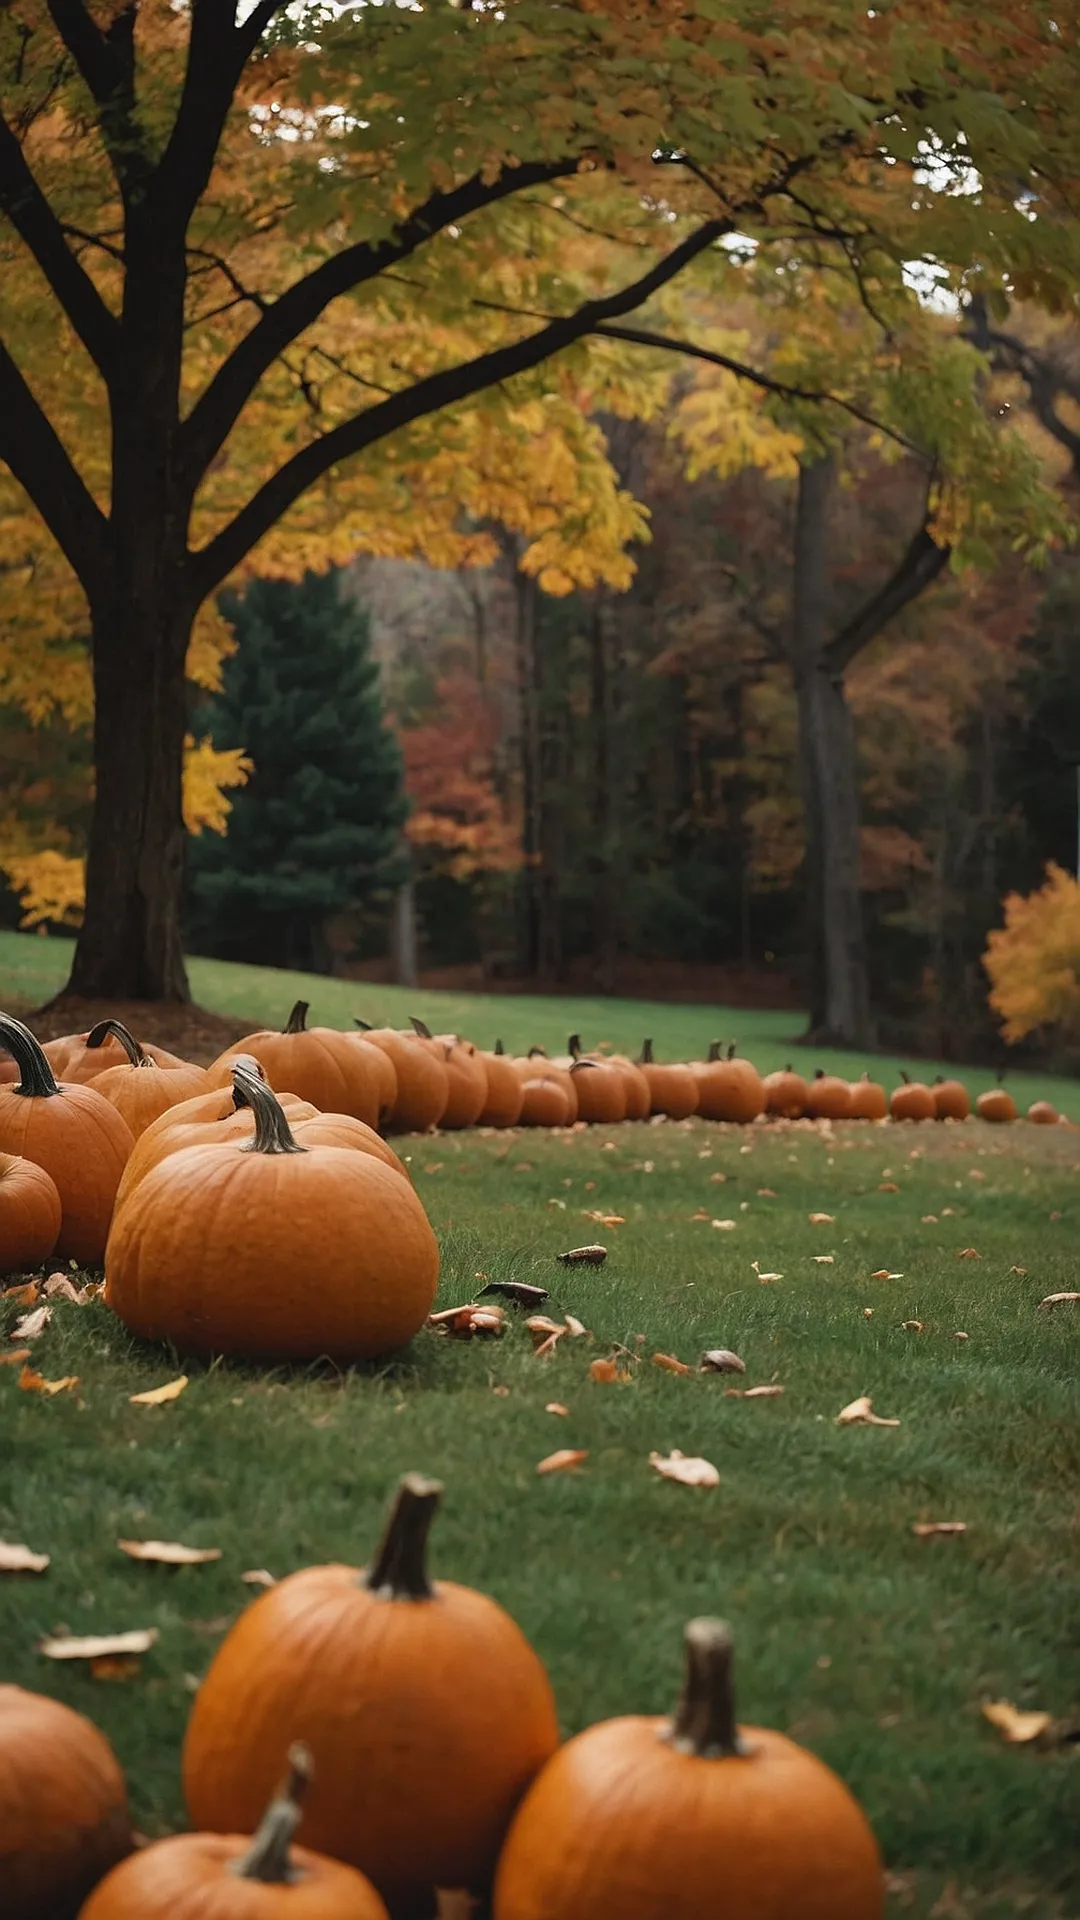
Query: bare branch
[
  {"x": 40, "y": 463},
  {"x": 39, "y": 229}
]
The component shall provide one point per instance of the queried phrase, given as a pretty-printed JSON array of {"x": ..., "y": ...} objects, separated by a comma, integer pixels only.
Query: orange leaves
[
  {"x": 969, "y": 1253},
  {"x": 605, "y": 1373},
  {"x": 33, "y": 1382},
  {"x": 564, "y": 1460},
  {"x": 1016, "y": 1727},
  {"x": 463, "y": 1323},
  {"x": 821, "y": 1219},
  {"x": 669, "y": 1364},
  {"x": 860, "y": 1412}
]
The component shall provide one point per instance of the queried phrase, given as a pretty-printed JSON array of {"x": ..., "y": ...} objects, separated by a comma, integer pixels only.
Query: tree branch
[
  {"x": 919, "y": 568},
  {"x": 212, "y": 563},
  {"x": 106, "y": 62},
  {"x": 217, "y": 54},
  {"x": 40, "y": 463},
  {"x": 1044, "y": 381},
  {"x": 37, "y": 226}
]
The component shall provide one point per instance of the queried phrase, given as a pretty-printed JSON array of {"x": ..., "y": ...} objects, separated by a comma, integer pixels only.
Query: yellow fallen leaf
[
  {"x": 717, "y": 1179},
  {"x": 563, "y": 1460},
  {"x": 157, "y": 1396},
  {"x": 929, "y": 1220},
  {"x": 168, "y": 1553},
  {"x": 765, "y": 1193},
  {"x": 97, "y": 1646},
  {"x": 724, "y": 1226},
  {"x": 31, "y": 1324},
  {"x": 575, "y": 1328},
  {"x": 860, "y": 1413},
  {"x": 1057, "y": 1299},
  {"x": 669, "y": 1364},
  {"x": 868, "y": 1313},
  {"x": 501, "y": 1393},
  {"x": 15, "y": 1359},
  {"x": 823, "y": 1259},
  {"x": 924, "y": 1529},
  {"x": 556, "y": 1406},
  {"x": 18, "y": 1559},
  {"x": 33, "y": 1382},
  {"x": 884, "y": 1274},
  {"x": 258, "y": 1577},
  {"x": 764, "y": 1277},
  {"x": 822, "y": 1219},
  {"x": 753, "y": 1393},
  {"x": 960, "y": 1336},
  {"x": 687, "y": 1470},
  {"x": 1014, "y": 1725},
  {"x": 1020, "y": 1271},
  {"x": 969, "y": 1253}
]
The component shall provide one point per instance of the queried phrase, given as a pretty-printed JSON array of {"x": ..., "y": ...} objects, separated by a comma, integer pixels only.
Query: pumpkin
[
  {"x": 672, "y": 1090},
  {"x": 536, "y": 1066},
  {"x": 688, "y": 1819},
  {"x": 997, "y": 1106},
  {"x": 467, "y": 1081},
  {"x": 78, "y": 1058},
  {"x": 503, "y": 1100},
  {"x": 828, "y": 1098},
  {"x": 214, "y": 1876},
  {"x": 381, "y": 1068},
  {"x": 63, "y": 1808},
  {"x": 868, "y": 1100},
  {"x": 951, "y": 1099},
  {"x": 141, "y": 1090},
  {"x": 423, "y": 1083},
  {"x": 912, "y": 1100},
  {"x": 544, "y": 1103},
  {"x": 30, "y": 1214},
  {"x": 786, "y": 1094},
  {"x": 424, "y": 1706},
  {"x": 728, "y": 1088},
  {"x": 1040, "y": 1113},
  {"x": 272, "y": 1249},
  {"x": 74, "y": 1134},
  {"x": 316, "y": 1063},
  {"x": 638, "y": 1097},
  {"x": 601, "y": 1092},
  {"x": 208, "y": 1117}
]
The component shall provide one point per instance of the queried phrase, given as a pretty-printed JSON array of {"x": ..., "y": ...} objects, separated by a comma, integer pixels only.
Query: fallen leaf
[
  {"x": 605, "y": 1219},
  {"x": 97, "y": 1646},
  {"x": 517, "y": 1292},
  {"x": 924, "y": 1529},
  {"x": 33, "y": 1382},
  {"x": 1059, "y": 1299},
  {"x": 168, "y": 1553},
  {"x": 17, "y": 1559},
  {"x": 868, "y": 1313},
  {"x": 583, "y": 1256},
  {"x": 969, "y": 1253},
  {"x": 31, "y": 1324},
  {"x": 544, "y": 1331},
  {"x": 258, "y": 1577},
  {"x": 888, "y": 1186},
  {"x": 717, "y": 1179},
  {"x": 974, "y": 1174},
  {"x": 929, "y": 1220},
  {"x": 860, "y": 1413},
  {"x": 960, "y": 1336},
  {"x": 1021, "y": 1272},
  {"x": 115, "y": 1666},
  {"x": 1014, "y": 1725},
  {"x": 722, "y": 1360},
  {"x": 22, "y": 1296},
  {"x": 561, "y": 1204},
  {"x": 563, "y": 1460},
  {"x": 753, "y": 1393},
  {"x": 913, "y": 1326},
  {"x": 823, "y": 1259},
  {"x": 556, "y": 1406},
  {"x": 575, "y": 1328},
  {"x": 604, "y": 1372},
  {"x": 765, "y": 1277},
  {"x": 689, "y": 1471},
  {"x": 157, "y": 1396},
  {"x": 501, "y": 1393},
  {"x": 884, "y": 1274},
  {"x": 669, "y": 1363},
  {"x": 59, "y": 1287},
  {"x": 821, "y": 1219},
  {"x": 765, "y": 1193},
  {"x": 724, "y": 1226},
  {"x": 15, "y": 1359}
]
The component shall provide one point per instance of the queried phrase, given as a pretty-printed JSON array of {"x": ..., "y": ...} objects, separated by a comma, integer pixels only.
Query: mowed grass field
[{"x": 872, "y": 1646}]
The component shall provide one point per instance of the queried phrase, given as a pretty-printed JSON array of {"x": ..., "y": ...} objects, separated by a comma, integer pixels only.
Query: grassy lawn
[{"x": 872, "y": 1646}]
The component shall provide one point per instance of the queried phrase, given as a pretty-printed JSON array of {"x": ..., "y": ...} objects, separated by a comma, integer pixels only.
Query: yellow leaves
[
  {"x": 860, "y": 1413},
  {"x": 20, "y": 1559},
  {"x": 212, "y": 641},
  {"x": 33, "y": 1382},
  {"x": 50, "y": 885},
  {"x": 1015, "y": 1726},
  {"x": 685, "y": 1470},
  {"x": 1034, "y": 960},
  {"x": 98, "y": 1646},
  {"x": 209, "y": 772},
  {"x": 564, "y": 1460},
  {"x": 160, "y": 1396}
]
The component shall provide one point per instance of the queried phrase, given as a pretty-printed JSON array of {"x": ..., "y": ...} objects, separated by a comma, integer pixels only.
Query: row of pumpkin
[{"x": 423, "y": 1747}]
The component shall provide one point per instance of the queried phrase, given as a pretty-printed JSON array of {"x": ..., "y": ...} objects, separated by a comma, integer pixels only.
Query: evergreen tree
[{"x": 316, "y": 830}]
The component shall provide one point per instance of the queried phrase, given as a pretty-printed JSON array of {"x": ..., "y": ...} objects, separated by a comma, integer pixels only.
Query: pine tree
[{"x": 316, "y": 830}]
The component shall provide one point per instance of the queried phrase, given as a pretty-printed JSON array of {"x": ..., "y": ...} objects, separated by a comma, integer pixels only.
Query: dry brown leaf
[
  {"x": 975, "y": 1174},
  {"x": 59, "y": 1287},
  {"x": 1021, "y": 1271},
  {"x": 929, "y": 1220},
  {"x": 15, "y": 1359},
  {"x": 765, "y": 1277},
  {"x": 563, "y": 1460},
  {"x": 925, "y": 1529},
  {"x": 33, "y": 1382},
  {"x": 158, "y": 1396},
  {"x": 168, "y": 1553},
  {"x": 575, "y": 1328},
  {"x": 884, "y": 1274},
  {"x": 722, "y": 1360},
  {"x": 823, "y": 1259},
  {"x": 717, "y": 1179},
  {"x": 115, "y": 1666},
  {"x": 605, "y": 1219},
  {"x": 888, "y": 1186},
  {"x": 22, "y": 1296},
  {"x": 556, "y": 1406},
  {"x": 822, "y": 1219},
  {"x": 969, "y": 1253},
  {"x": 1058, "y": 1299},
  {"x": 31, "y": 1324},
  {"x": 583, "y": 1256},
  {"x": 98, "y": 1646},
  {"x": 501, "y": 1393},
  {"x": 868, "y": 1313},
  {"x": 1013, "y": 1724},
  {"x": 258, "y": 1577},
  {"x": 604, "y": 1372},
  {"x": 765, "y": 1193},
  {"x": 860, "y": 1412},
  {"x": 689, "y": 1471},
  {"x": 913, "y": 1326},
  {"x": 960, "y": 1336},
  {"x": 753, "y": 1393},
  {"x": 18, "y": 1559},
  {"x": 669, "y": 1363}
]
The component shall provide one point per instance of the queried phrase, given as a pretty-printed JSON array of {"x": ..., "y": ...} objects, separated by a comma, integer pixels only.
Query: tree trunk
[
  {"x": 828, "y": 767},
  {"x": 529, "y": 739},
  {"x": 604, "y": 826},
  {"x": 404, "y": 939}
]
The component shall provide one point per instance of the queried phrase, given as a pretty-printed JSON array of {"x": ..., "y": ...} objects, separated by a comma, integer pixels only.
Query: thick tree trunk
[{"x": 828, "y": 768}]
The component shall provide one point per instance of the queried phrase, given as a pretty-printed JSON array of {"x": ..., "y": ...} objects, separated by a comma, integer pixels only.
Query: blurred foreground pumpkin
[{"x": 63, "y": 1808}]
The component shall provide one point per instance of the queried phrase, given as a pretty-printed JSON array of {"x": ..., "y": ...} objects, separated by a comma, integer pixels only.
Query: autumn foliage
[{"x": 1034, "y": 960}]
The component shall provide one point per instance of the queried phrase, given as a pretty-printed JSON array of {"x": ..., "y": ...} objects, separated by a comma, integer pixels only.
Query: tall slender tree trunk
[
  {"x": 604, "y": 825},
  {"x": 404, "y": 935},
  {"x": 828, "y": 768},
  {"x": 529, "y": 735}
]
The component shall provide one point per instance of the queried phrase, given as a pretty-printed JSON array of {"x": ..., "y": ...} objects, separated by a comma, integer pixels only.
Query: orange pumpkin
[
  {"x": 424, "y": 1706},
  {"x": 63, "y": 1808},
  {"x": 316, "y": 1063},
  {"x": 214, "y": 1876},
  {"x": 535, "y": 1065},
  {"x": 381, "y": 1068},
  {"x": 638, "y": 1098},
  {"x": 141, "y": 1090},
  {"x": 997, "y": 1106},
  {"x": 74, "y": 1134},
  {"x": 209, "y": 1117},
  {"x": 423, "y": 1084},
  {"x": 30, "y": 1214},
  {"x": 951, "y": 1099},
  {"x": 271, "y": 1249},
  {"x": 912, "y": 1100},
  {"x": 1040, "y": 1113},
  {"x": 503, "y": 1101},
  {"x": 672, "y": 1090},
  {"x": 467, "y": 1080},
  {"x": 728, "y": 1088},
  {"x": 868, "y": 1101},
  {"x": 680, "y": 1819},
  {"x": 786, "y": 1094},
  {"x": 601, "y": 1092},
  {"x": 78, "y": 1058},
  {"x": 828, "y": 1098},
  {"x": 544, "y": 1103}
]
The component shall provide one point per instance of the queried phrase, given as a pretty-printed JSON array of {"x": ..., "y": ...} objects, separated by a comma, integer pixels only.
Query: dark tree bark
[{"x": 604, "y": 826}]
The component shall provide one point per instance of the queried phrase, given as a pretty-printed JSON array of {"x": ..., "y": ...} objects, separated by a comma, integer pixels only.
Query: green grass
[
  {"x": 869, "y": 1645},
  {"x": 32, "y": 969}
]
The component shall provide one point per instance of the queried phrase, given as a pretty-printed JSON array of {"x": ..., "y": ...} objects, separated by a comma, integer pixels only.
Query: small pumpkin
[
  {"x": 911, "y": 1100},
  {"x": 951, "y": 1099},
  {"x": 544, "y": 1103},
  {"x": 319, "y": 1064},
  {"x": 638, "y": 1098},
  {"x": 78, "y": 1058},
  {"x": 466, "y": 1078},
  {"x": 423, "y": 1084},
  {"x": 728, "y": 1088},
  {"x": 868, "y": 1099},
  {"x": 63, "y": 1807},
  {"x": 535, "y": 1065},
  {"x": 786, "y": 1094},
  {"x": 828, "y": 1097},
  {"x": 141, "y": 1090},
  {"x": 424, "y": 1706},
  {"x": 273, "y": 1249},
  {"x": 680, "y": 1819},
  {"x": 1040, "y": 1113},
  {"x": 503, "y": 1100},
  {"x": 30, "y": 1214},
  {"x": 997, "y": 1106},
  {"x": 215, "y": 1876},
  {"x": 601, "y": 1092},
  {"x": 74, "y": 1134},
  {"x": 672, "y": 1090}
]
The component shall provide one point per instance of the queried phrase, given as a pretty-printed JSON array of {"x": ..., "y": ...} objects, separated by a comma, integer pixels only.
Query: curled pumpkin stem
[
  {"x": 421, "y": 1028},
  {"x": 272, "y": 1131},
  {"x": 267, "y": 1858},
  {"x": 297, "y": 1020},
  {"x": 399, "y": 1569},
  {"x": 704, "y": 1720},
  {"x": 36, "y": 1078},
  {"x": 116, "y": 1030}
]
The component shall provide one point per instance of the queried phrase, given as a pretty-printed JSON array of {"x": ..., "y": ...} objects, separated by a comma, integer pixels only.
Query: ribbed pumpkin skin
[
  {"x": 828, "y": 1098},
  {"x": 731, "y": 1090},
  {"x": 543, "y": 1104},
  {"x": 638, "y": 1097},
  {"x": 601, "y": 1094},
  {"x": 672, "y": 1090},
  {"x": 142, "y": 1094},
  {"x": 209, "y": 1117},
  {"x": 382, "y": 1068},
  {"x": 467, "y": 1084},
  {"x": 190, "y": 1877},
  {"x": 63, "y": 1808},
  {"x": 1041, "y": 1114},
  {"x": 84, "y": 1144},
  {"x": 786, "y": 1094},
  {"x": 30, "y": 1214},
  {"x": 868, "y": 1100},
  {"x": 423, "y": 1084},
  {"x": 997, "y": 1106},
  {"x": 951, "y": 1100},
  {"x": 621, "y": 1825},
  {"x": 320, "y": 1064},
  {"x": 72, "y": 1060},
  {"x": 426, "y": 1720},
  {"x": 273, "y": 1256},
  {"x": 537, "y": 1066},
  {"x": 913, "y": 1101},
  {"x": 503, "y": 1099}
]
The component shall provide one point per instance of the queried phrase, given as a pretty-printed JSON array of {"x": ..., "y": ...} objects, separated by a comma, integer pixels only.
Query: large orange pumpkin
[
  {"x": 71, "y": 1131},
  {"x": 141, "y": 1090},
  {"x": 912, "y": 1100},
  {"x": 30, "y": 1214},
  {"x": 691, "y": 1818},
  {"x": 424, "y": 1706},
  {"x": 828, "y": 1097},
  {"x": 214, "y": 1876},
  {"x": 672, "y": 1090},
  {"x": 601, "y": 1092},
  {"x": 503, "y": 1100},
  {"x": 544, "y": 1103},
  {"x": 209, "y": 1117},
  {"x": 423, "y": 1084},
  {"x": 951, "y": 1099},
  {"x": 273, "y": 1250},
  {"x": 63, "y": 1808},
  {"x": 316, "y": 1063},
  {"x": 467, "y": 1081},
  {"x": 78, "y": 1058},
  {"x": 728, "y": 1088},
  {"x": 868, "y": 1099},
  {"x": 638, "y": 1098},
  {"x": 786, "y": 1094},
  {"x": 997, "y": 1106}
]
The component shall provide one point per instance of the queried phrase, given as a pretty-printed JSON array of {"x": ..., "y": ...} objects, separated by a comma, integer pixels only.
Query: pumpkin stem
[
  {"x": 714, "y": 1050},
  {"x": 704, "y": 1720},
  {"x": 272, "y": 1133},
  {"x": 537, "y": 1053},
  {"x": 420, "y": 1027},
  {"x": 819, "y": 1074},
  {"x": 573, "y": 1045},
  {"x": 297, "y": 1020},
  {"x": 267, "y": 1858},
  {"x": 36, "y": 1077},
  {"x": 365, "y": 1026},
  {"x": 646, "y": 1053},
  {"x": 499, "y": 1048},
  {"x": 399, "y": 1570},
  {"x": 905, "y": 1077},
  {"x": 731, "y": 1051},
  {"x": 116, "y": 1029}
]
